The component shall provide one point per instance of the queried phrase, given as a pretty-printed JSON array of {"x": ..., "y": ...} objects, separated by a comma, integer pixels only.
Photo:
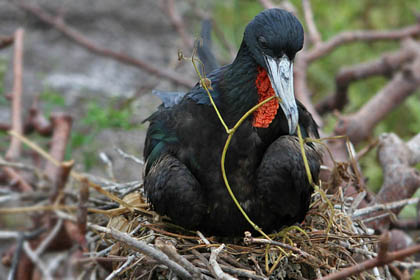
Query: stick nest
[{"x": 328, "y": 240}]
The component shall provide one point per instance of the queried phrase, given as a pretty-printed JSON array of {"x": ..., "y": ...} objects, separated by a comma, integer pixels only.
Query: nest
[{"x": 328, "y": 240}]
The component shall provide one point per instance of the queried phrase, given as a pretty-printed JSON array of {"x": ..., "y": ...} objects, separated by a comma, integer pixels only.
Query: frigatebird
[{"x": 264, "y": 166}]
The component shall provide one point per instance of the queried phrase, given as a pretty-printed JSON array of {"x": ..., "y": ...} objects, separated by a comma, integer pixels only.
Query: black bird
[{"x": 264, "y": 165}]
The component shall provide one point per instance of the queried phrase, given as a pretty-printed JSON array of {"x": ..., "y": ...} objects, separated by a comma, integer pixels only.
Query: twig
[
  {"x": 216, "y": 267},
  {"x": 137, "y": 245},
  {"x": 86, "y": 43},
  {"x": 37, "y": 261},
  {"x": 411, "y": 224},
  {"x": 249, "y": 239},
  {"x": 109, "y": 164},
  {"x": 169, "y": 249},
  {"x": 61, "y": 123},
  {"x": 49, "y": 238},
  {"x": 82, "y": 211},
  {"x": 127, "y": 156},
  {"x": 216, "y": 270},
  {"x": 115, "y": 273},
  {"x": 384, "y": 257},
  {"x": 16, "y": 257},
  {"x": 17, "y": 165},
  {"x": 38, "y": 121},
  {"x": 385, "y": 206},
  {"x": 74, "y": 174},
  {"x": 15, "y": 145},
  {"x": 16, "y": 177}
]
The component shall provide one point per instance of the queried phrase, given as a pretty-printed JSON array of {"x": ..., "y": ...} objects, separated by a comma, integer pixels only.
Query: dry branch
[
  {"x": 401, "y": 180},
  {"x": 144, "y": 248},
  {"x": 169, "y": 249},
  {"x": 385, "y": 65},
  {"x": 82, "y": 40},
  {"x": 61, "y": 123},
  {"x": 38, "y": 121},
  {"x": 384, "y": 257},
  {"x": 216, "y": 267},
  {"x": 355, "y": 36},
  {"x": 15, "y": 145},
  {"x": 359, "y": 125},
  {"x": 314, "y": 35}
]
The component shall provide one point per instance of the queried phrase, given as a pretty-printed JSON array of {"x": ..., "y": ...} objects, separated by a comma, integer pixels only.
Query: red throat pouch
[{"x": 265, "y": 114}]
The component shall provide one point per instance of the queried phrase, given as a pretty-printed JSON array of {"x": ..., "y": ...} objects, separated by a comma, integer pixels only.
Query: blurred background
[{"x": 108, "y": 100}]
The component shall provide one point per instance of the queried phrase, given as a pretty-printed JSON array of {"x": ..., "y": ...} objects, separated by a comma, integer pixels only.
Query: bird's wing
[
  {"x": 169, "y": 98},
  {"x": 160, "y": 135}
]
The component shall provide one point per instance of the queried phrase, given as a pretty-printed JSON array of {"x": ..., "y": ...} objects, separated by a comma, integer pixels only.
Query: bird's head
[{"x": 273, "y": 38}]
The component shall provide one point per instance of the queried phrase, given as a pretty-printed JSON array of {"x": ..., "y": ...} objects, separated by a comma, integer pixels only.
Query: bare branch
[
  {"x": 37, "y": 261},
  {"x": 82, "y": 211},
  {"x": 143, "y": 248},
  {"x": 15, "y": 144},
  {"x": 249, "y": 240},
  {"x": 384, "y": 257},
  {"x": 387, "y": 206},
  {"x": 169, "y": 249},
  {"x": 314, "y": 35},
  {"x": 127, "y": 156},
  {"x": 354, "y": 36},
  {"x": 216, "y": 267},
  {"x": 37, "y": 121},
  {"x": 401, "y": 180},
  {"x": 14, "y": 176},
  {"x": 61, "y": 123},
  {"x": 115, "y": 273},
  {"x": 385, "y": 65},
  {"x": 85, "y": 42},
  {"x": 49, "y": 238},
  {"x": 302, "y": 91},
  {"x": 359, "y": 125}
]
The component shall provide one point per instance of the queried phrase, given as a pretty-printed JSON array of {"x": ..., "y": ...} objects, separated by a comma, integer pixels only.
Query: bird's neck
[
  {"x": 245, "y": 84},
  {"x": 239, "y": 91}
]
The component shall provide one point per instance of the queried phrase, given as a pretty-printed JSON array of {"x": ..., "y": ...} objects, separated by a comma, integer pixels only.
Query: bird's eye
[{"x": 263, "y": 42}]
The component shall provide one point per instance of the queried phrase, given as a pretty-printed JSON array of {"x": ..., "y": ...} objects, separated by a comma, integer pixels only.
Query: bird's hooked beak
[{"x": 280, "y": 72}]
